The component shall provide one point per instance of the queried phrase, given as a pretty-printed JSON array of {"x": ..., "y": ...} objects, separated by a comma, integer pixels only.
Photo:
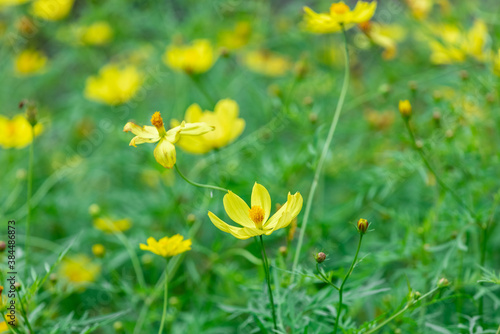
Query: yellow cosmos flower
[
  {"x": 114, "y": 85},
  {"x": 30, "y": 62},
  {"x": 198, "y": 57},
  {"x": 340, "y": 15},
  {"x": 79, "y": 270},
  {"x": 98, "y": 33},
  {"x": 109, "y": 225},
  {"x": 16, "y": 133},
  {"x": 166, "y": 246},
  {"x": 384, "y": 35},
  {"x": 267, "y": 63},
  {"x": 236, "y": 38},
  {"x": 225, "y": 120},
  {"x": 51, "y": 10},
  {"x": 255, "y": 219},
  {"x": 165, "y": 150},
  {"x": 3, "y": 327}
]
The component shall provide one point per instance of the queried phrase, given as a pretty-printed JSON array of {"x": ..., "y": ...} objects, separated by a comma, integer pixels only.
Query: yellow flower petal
[
  {"x": 195, "y": 129},
  {"x": 144, "y": 134},
  {"x": 363, "y": 11},
  {"x": 238, "y": 232},
  {"x": 286, "y": 214},
  {"x": 237, "y": 210},
  {"x": 165, "y": 153},
  {"x": 261, "y": 197},
  {"x": 193, "y": 113}
]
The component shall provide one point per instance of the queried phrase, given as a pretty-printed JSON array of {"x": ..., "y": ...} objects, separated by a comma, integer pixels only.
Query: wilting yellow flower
[
  {"x": 225, "y": 120},
  {"x": 109, "y": 225},
  {"x": 30, "y": 62},
  {"x": 405, "y": 108},
  {"x": 198, "y": 57},
  {"x": 340, "y": 15},
  {"x": 165, "y": 150},
  {"x": 16, "y": 133},
  {"x": 6, "y": 3},
  {"x": 267, "y": 63},
  {"x": 79, "y": 270},
  {"x": 114, "y": 84},
  {"x": 166, "y": 246},
  {"x": 255, "y": 219},
  {"x": 98, "y": 33},
  {"x": 384, "y": 35},
  {"x": 236, "y": 38},
  {"x": 51, "y": 10},
  {"x": 453, "y": 46}
]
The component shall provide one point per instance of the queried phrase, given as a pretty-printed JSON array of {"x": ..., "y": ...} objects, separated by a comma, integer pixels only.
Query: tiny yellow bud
[
  {"x": 98, "y": 250},
  {"x": 443, "y": 282},
  {"x": 283, "y": 250},
  {"x": 363, "y": 225},
  {"x": 405, "y": 108},
  {"x": 94, "y": 209}
]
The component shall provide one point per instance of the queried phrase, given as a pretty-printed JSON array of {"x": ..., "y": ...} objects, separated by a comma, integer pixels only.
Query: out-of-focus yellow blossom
[
  {"x": 166, "y": 246},
  {"x": 51, "y": 10},
  {"x": 267, "y": 63},
  {"x": 98, "y": 33},
  {"x": 79, "y": 270},
  {"x": 496, "y": 63},
  {"x": 109, "y": 225},
  {"x": 16, "y": 132},
  {"x": 384, "y": 35},
  {"x": 405, "y": 108},
  {"x": 380, "y": 120},
  {"x": 420, "y": 8},
  {"x": 3, "y": 327},
  {"x": 225, "y": 120},
  {"x": 453, "y": 46},
  {"x": 236, "y": 38},
  {"x": 114, "y": 84},
  {"x": 98, "y": 250},
  {"x": 164, "y": 152},
  {"x": 255, "y": 219},
  {"x": 30, "y": 62},
  {"x": 340, "y": 15},
  {"x": 7, "y": 3},
  {"x": 197, "y": 57}
]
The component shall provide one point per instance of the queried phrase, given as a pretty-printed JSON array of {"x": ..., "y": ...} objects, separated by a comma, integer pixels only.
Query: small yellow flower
[
  {"x": 198, "y": 57},
  {"x": 340, "y": 15},
  {"x": 98, "y": 33},
  {"x": 225, "y": 120},
  {"x": 109, "y": 225},
  {"x": 267, "y": 63},
  {"x": 51, "y": 10},
  {"x": 237, "y": 37},
  {"x": 30, "y": 62},
  {"x": 16, "y": 133},
  {"x": 98, "y": 250},
  {"x": 79, "y": 270},
  {"x": 420, "y": 8},
  {"x": 405, "y": 108},
  {"x": 255, "y": 219},
  {"x": 165, "y": 150},
  {"x": 114, "y": 85},
  {"x": 384, "y": 35},
  {"x": 166, "y": 246}
]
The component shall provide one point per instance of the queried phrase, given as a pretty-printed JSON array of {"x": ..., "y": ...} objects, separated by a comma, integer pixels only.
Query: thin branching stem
[
  {"x": 196, "y": 184},
  {"x": 324, "y": 278},
  {"x": 268, "y": 279}
]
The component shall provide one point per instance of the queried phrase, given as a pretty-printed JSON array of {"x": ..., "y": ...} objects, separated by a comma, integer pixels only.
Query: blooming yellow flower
[
  {"x": 198, "y": 57},
  {"x": 237, "y": 37},
  {"x": 98, "y": 250},
  {"x": 267, "y": 63},
  {"x": 165, "y": 150},
  {"x": 16, "y": 133},
  {"x": 166, "y": 246},
  {"x": 30, "y": 62},
  {"x": 255, "y": 219},
  {"x": 51, "y": 10},
  {"x": 384, "y": 35},
  {"x": 225, "y": 120},
  {"x": 79, "y": 270},
  {"x": 109, "y": 225},
  {"x": 340, "y": 15},
  {"x": 98, "y": 33},
  {"x": 114, "y": 85}
]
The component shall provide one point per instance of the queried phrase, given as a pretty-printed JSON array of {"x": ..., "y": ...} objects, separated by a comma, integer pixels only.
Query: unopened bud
[
  {"x": 94, "y": 209},
  {"x": 362, "y": 225},
  {"x": 419, "y": 144},
  {"x": 308, "y": 100},
  {"x": 32, "y": 114},
  {"x": 405, "y": 108},
  {"x": 17, "y": 285},
  {"x": 3, "y": 245},
  {"x": 320, "y": 257},
  {"x": 118, "y": 326},
  {"x": 415, "y": 295},
  {"x": 385, "y": 89},
  {"x": 147, "y": 259},
  {"x": 449, "y": 133},
  {"x": 191, "y": 218},
  {"x": 98, "y": 250},
  {"x": 413, "y": 86},
  {"x": 443, "y": 282},
  {"x": 53, "y": 278},
  {"x": 313, "y": 118},
  {"x": 283, "y": 250}
]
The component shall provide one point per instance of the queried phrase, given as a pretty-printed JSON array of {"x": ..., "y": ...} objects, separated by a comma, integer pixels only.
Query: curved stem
[
  {"x": 196, "y": 184},
  {"x": 324, "y": 152},
  {"x": 341, "y": 289},
  {"x": 28, "y": 199},
  {"x": 268, "y": 279},
  {"x": 325, "y": 279},
  {"x": 165, "y": 299}
]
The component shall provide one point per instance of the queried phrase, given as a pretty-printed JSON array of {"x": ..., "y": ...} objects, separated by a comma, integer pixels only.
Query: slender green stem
[
  {"x": 196, "y": 184},
  {"x": 268, "y": 279},
  {"x": 403, "y": 310},
  {"x": 325, "y": 279},
  {"x": 165, "y": 299},
  {"x": 133, "y": 258},
  {"x": 28, "y": 199},
  {"x": 201, "y": 88},
  {"x": 341, "y": 289},
  {"x": 429, "y": 167},
  {"x": 25, "y": 314},
  {"x": 323, "y": 155}
]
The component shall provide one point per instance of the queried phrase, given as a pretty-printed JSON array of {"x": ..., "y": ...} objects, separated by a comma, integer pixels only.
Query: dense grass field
[{"x": 230, "y": 166}]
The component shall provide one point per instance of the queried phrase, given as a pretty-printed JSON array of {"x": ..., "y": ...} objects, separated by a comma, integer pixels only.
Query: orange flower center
[
  {"x": 339, "y": 8},
  {"x": 156, "y": 120},
  {"x": 256, "y": 214}
]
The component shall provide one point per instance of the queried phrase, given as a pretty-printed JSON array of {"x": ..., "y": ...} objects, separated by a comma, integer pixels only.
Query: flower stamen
[
  {"x": 339, "y": 8},
  {"x": 256, "y": 214},
  {"x": 156, "y": 120}
]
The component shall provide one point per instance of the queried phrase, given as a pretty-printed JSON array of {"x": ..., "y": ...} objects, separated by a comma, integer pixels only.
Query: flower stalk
[
  {"x": 28, "y": 199},
  {"x": 199, "y": 185},
  {"x": 165, "y": 298},
  {"x": 268, "y": 279}
]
